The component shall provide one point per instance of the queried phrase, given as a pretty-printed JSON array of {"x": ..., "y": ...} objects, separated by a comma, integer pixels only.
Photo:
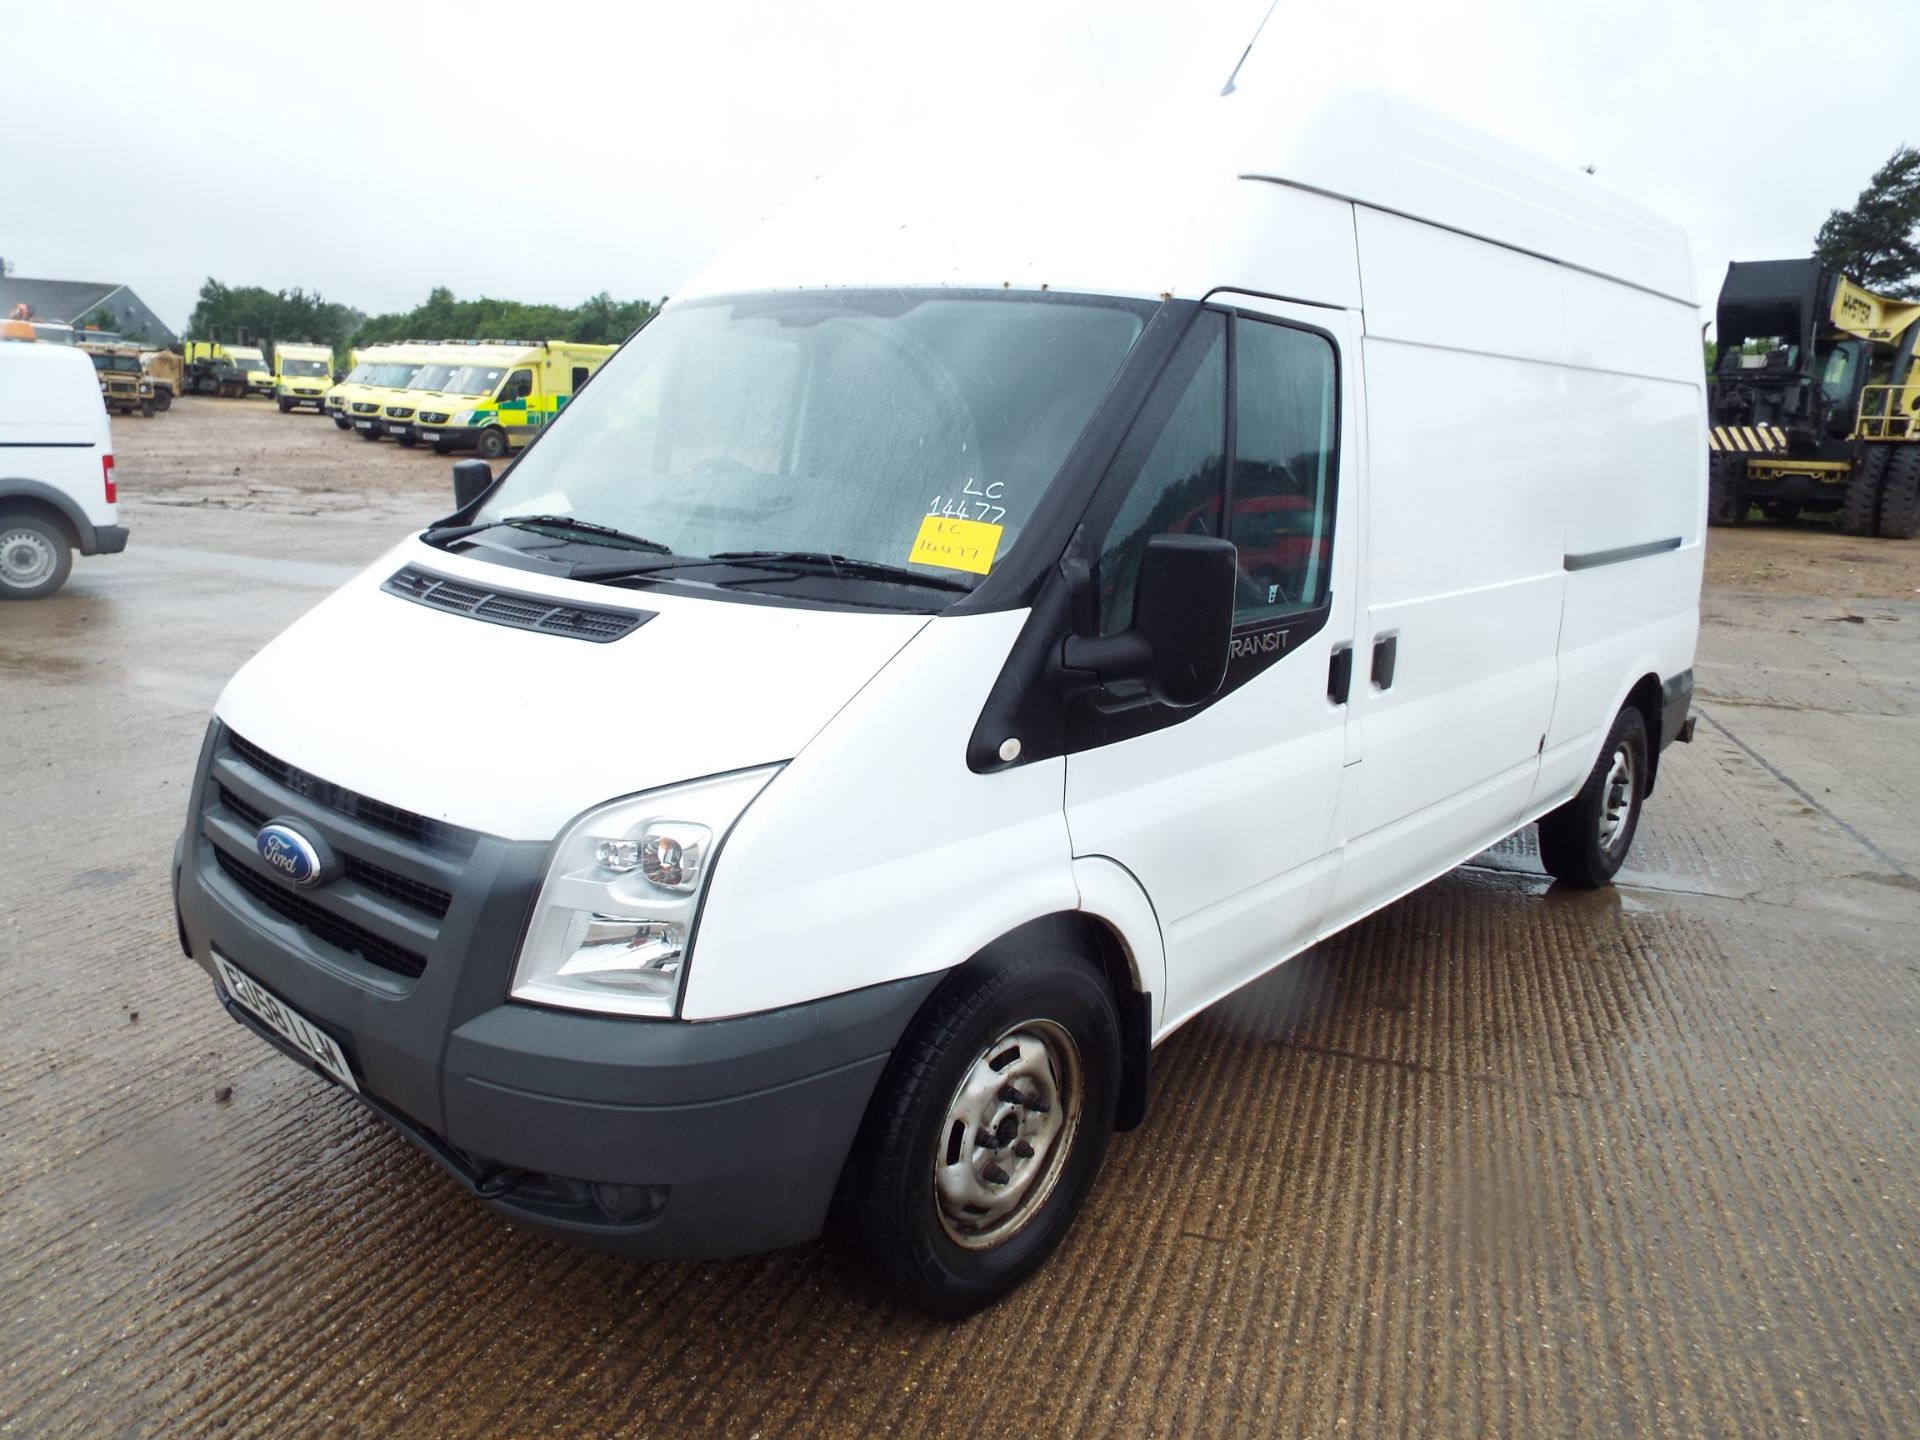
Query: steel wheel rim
[
  {"x": 26, "y": 558},
  {"x": 1009, "y": 1128},
  {"x": 1616, "y": 800}
]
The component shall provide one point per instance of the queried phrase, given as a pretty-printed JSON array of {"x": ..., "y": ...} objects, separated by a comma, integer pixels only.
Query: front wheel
[
  {"x": 35, "y": 557},
  {"x": 987, "y": 1131},
  {"x": 341, "y": 422},
  {"x": 1899, "y": 491},
  {"x": 1586, "y": 840},
  {"x": 369, "y": 434},
  {"x": 494, "y": 443}
]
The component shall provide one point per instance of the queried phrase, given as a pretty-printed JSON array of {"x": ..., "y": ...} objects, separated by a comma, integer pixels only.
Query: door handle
[
  {"x": 1386, "y": 652},
  {"x": 1340, "y": 674}
]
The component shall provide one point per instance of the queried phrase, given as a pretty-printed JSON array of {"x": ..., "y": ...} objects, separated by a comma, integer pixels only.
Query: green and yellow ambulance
[{"x": 503, "y": 392}]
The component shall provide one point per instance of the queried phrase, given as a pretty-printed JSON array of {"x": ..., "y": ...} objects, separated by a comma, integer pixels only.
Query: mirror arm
[{"x": 1098, "y": 660}]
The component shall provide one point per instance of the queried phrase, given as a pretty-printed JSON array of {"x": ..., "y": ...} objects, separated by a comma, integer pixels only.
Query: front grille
[
  {"x": 427, "y": 899},
  {"x": 433, "y": 417},
  {"x": 342, "y": 934},
  {"x": 523, "y": 612},
  {"x": 363, "y": 407},
  {"x": 399, "y": 413},
  {"x": 421, "y": 829}
]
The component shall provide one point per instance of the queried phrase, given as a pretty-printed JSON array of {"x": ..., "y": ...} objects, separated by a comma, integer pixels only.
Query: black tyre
[
  {"x": 1585, "y": 841},
  {"x": 1726, "y": 489},
  {"x": 36, "y": 556},
  {"x": 206, "y": 385},
  {"x": 987, "y": 1131},
  {"x": 286, "y": 406},
  {"x": 1860, "y": 502},
  {"x": 163, "y": 399},
  {"x": 441, "y": 447},
  {"x": 494, "y": 443},
  {"x": 146, "y": 409},
  {"x": 342, "y": 422},
  {"x": 1899, "y": 490},
  {"x": 407, "y": 439},
  {"x": 369, "y": 434}
]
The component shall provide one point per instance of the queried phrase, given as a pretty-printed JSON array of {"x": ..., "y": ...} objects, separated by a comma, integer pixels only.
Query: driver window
[
  {"x": 1280, "y": 514},
  {"x": 1176, "y": 489},
  {"x": 518, "y": 387}
]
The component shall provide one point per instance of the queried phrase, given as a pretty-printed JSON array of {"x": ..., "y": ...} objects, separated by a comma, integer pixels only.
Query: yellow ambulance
[
  {"x": 301, "y": 374},
  {"x": 502, "y": 392}
]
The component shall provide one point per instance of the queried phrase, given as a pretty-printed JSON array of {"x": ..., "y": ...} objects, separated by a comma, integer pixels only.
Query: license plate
[
  {"x": 286, "y": 1022},
  {"x": 364, "y": 424},
  {"x": 429, "y": 434}
]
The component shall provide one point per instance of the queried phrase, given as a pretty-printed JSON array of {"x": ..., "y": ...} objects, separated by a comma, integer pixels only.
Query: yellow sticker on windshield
[{"x": 955, "y": 544}]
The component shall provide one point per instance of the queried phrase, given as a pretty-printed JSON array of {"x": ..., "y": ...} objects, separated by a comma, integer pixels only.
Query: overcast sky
[{"x": 549, "y": 151}]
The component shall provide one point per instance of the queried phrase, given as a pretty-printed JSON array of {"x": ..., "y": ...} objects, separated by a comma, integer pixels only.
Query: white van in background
[
  {"x": 56, "y": 468},
  {"x": 995, "y": 613}
]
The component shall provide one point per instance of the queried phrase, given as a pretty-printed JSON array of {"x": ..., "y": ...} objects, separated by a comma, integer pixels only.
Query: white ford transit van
[
  {"x": 970, "y": 631},
  {"x": 57, "y": 492}
]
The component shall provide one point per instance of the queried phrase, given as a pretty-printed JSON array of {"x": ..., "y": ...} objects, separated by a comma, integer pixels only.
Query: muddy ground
[{"x": 1502, "y": 1159}]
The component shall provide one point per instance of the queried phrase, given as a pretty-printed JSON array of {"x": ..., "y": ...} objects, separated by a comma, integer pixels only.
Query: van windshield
[
  {"x": 474, "y": 380},
  {"x": 430, "y": 377},
  {"x": 833, "y": 423},
  {"x": 394, "y": 375},
  {"x": 303, "y": 367}
]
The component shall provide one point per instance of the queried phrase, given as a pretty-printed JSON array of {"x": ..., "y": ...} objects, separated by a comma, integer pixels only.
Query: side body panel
[
  {"x": 1467, "y": 400},
  {"x": 1636, "y": 479},
  {"x": 53, "y": 426}
]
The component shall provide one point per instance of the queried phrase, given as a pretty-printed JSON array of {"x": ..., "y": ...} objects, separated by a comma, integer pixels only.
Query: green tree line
[{"x": 272, "y": 315}]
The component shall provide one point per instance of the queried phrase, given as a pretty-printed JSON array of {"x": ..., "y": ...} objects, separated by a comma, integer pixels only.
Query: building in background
[{"x": 107, "y": 306}]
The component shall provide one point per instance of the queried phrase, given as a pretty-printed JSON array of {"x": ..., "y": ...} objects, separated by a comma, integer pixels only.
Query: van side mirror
[
  {"x": 470, "y": 481},
  {"x": 1182, "y": 623}
]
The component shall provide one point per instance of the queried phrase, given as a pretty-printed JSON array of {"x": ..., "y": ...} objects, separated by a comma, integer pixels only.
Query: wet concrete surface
[{"x": 1501, "y": 1159}]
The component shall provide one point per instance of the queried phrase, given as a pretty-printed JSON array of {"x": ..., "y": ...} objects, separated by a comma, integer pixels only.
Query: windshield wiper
[
  {"x": 573, "y": 525},
  {"x": 570, "y": 524},
  {"x": 814, "y": 562}
]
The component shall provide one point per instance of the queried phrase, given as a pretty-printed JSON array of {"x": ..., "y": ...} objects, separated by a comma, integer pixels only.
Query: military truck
[
  {"x": 1813, "y": 403},
  {"x": 123, "y": 383}
]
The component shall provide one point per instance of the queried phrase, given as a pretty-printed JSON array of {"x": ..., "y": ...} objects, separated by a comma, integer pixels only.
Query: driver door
[{"x": 1223, "y": 812}]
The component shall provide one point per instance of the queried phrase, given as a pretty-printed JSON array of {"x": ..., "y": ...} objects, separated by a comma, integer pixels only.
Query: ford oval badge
[{"x": 289, "y": 853}]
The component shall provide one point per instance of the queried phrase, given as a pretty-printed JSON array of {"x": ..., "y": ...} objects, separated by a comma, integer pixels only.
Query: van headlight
[
  {"x": 463, "y": 417},
  {"x": 614, "y": 922}
]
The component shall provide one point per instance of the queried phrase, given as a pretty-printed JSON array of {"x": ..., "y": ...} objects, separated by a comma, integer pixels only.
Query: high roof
[{"x": 1080, "y": 194}]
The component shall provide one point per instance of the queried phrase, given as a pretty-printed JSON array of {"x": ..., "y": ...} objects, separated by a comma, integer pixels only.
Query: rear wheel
[
  {"x": 987, "y": 1131},
  {"x": 1726, "y": 489},
  {"x": 494, "y": 443},
  {"x": 1900, "y": 491},
  {"x": 163, "y": 399},
  {"x": 1585, "y": 841},
  {"x": 35, "y": 557},
  {"x": 1860, "y": 502},
  {"x": 206, "y": 385}
]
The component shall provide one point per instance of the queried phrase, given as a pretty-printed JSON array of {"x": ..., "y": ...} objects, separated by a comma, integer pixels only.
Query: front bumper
[
  {"x": 657, "y": 1138},
  {"x": 293, "y": 397},
  {"x": 452, "y": 437},
  {"x": 370, "y": 424}
]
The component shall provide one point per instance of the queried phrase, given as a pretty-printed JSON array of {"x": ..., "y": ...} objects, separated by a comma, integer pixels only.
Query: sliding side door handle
[{"x": 1386, "y": 652}]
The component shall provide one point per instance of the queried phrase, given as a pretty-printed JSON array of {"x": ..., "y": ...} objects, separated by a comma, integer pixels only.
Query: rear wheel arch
[
  {"x": 16, "y": 501},
  {"x": 1649, "y": 698}
]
